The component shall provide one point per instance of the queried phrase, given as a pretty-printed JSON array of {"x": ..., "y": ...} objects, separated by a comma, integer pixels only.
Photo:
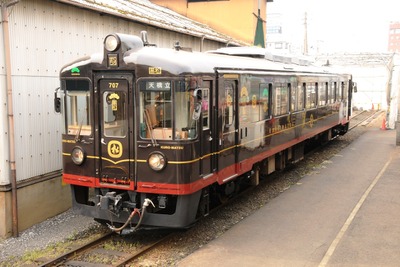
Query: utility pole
[{"x": 305, "y": 45}]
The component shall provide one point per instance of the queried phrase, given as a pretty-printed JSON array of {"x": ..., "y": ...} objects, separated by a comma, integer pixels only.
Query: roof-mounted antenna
[
  {"x": 145, "y": 40},
  {"x": 177, "y": 46},
  {"x": 143, "y": 35}
]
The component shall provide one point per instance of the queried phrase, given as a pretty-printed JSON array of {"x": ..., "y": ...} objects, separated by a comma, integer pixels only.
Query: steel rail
[{"x": 78, "y": 251}]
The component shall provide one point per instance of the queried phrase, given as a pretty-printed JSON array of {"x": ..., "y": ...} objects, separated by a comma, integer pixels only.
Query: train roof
[{"x": 178, "y": 61}]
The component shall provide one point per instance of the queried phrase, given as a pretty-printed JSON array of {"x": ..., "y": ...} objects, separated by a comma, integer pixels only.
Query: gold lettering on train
[
  {"x": 112, "y": 61},
  {"x": 155, "y": 70},
  {"x": 113, "y": 85},
  {"x": 231, "y": 76},
  {"x": 172, "y": 147}
]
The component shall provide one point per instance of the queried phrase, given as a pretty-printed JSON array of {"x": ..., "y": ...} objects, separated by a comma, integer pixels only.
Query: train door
[
  {"x": 115, "y": 129},
  {"x": 228, "y": 127},
  {"x": 208, "y": 162}
]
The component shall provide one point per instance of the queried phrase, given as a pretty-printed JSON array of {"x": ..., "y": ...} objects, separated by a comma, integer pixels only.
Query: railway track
[
  {"x": 110, "y": 250},
  {"x": 363, "y": 118}
]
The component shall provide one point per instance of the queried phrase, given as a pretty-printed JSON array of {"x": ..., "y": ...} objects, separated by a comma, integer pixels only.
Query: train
[{"x": 156, "y": 137}]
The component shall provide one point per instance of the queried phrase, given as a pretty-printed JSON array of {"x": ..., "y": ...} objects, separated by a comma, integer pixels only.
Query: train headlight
[
  {"x": 78, "y": 155},
  {"x": 157, "y": 161},
  {"x": 111, "y": 43}
]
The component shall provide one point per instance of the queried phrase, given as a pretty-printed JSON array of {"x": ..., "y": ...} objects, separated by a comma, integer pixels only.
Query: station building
[{"x": 38, "y": 37}]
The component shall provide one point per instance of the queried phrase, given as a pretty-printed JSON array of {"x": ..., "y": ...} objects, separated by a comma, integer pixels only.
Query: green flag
[{"x": 259, "y": 35}]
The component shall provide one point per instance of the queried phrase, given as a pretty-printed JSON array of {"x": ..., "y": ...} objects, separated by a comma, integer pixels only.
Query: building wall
[
  {"x": 45, "y": 35},
  {"x": 235, "y": 17},
  {"x": 394, "y": 37}
]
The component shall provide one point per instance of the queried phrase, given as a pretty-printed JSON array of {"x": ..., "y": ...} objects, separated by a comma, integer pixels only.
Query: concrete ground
[{"x": 347, "y": 214}]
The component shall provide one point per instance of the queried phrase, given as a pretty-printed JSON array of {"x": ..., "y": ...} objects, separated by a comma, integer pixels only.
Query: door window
[
  {"x": 114, "y": 114},
  {"x": 229, "y": 113}
]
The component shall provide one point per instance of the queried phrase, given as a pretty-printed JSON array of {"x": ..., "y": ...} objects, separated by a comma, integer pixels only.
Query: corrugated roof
[{"x": 146, "y": 12}]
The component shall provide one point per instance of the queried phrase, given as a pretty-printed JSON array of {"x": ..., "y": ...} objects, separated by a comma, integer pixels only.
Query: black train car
[{"x": 169, "y": 132}]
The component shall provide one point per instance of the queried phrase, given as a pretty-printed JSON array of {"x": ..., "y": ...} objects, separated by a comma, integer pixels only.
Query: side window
[
  {"x": 344, "y": 90},
  {"x": 311, "y": 95},
  {"x": 77, "y": 107},
  {"x": 281, "y": 100},
  {"x": 301, "y": 88},
  {"x": 156, "y": 109},
  {"x": 332, "y": 93},
  {"x": 322, "y": 94},
  {"x": 205, "y": 105},
  {"x": 293, "y": 103},
  {"x": 229, "y": 112},
  {"x": 254, "y": 101},
  {"x": 340, "y": 92}
]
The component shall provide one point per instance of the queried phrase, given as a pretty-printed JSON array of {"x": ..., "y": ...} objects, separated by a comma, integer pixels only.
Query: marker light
[
  {"x": 157, "y": 161},
  {"x": 111, "y": 43},
  {"x": 78, "y": 155}
]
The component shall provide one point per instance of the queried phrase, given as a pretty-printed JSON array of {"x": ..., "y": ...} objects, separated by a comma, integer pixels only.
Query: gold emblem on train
[
  {"x": 155, "y": 71},
  {"x": 114, "y": 97},
  {"x": 114, "y": 149}
]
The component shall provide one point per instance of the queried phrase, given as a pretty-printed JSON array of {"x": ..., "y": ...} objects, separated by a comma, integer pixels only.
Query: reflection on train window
[
  {"x": 205, "y": 104},
  {"x": 301, "y": 88},
  {"x": 253, "y": 99},
  {"x": 293, "y": 102},
  {"x": 344, "y": 91},
  {"x": 322, "y": 94},
  {"x": 265, "y": 92},
  {"x": 332, "y": 93},
  {"x": 281, "y": 101},
  {"x": 311, "y": 95},
  {"x": 229, "y": 104},
  {"x": 229, "y": 113},
  {"x": 340, "y": 92},
  {"x": 78, "y": 107},
  {"x": 114, "y": 114}
]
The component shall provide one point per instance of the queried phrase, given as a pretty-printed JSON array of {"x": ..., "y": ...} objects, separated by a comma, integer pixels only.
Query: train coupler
[{"x": 135, "y": 211}]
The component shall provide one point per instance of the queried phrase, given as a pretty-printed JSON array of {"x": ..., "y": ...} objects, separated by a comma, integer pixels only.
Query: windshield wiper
[
  {"x": 78, "y": 134},
  {"x": 149, "y": 128}
]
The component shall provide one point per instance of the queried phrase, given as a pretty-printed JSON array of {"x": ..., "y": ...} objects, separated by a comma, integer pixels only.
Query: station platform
[{"x": 347, "y": 214}]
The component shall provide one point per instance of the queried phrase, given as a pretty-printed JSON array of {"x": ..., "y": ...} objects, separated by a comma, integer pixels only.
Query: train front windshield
[
  {"x": 77, "y": 107},
  {"x": 166, "y": 111}
]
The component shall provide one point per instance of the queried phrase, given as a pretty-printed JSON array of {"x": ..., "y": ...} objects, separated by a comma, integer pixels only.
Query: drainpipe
[
  {"x": 202, "y": 43},
  {"x": 13, "y": 173}
]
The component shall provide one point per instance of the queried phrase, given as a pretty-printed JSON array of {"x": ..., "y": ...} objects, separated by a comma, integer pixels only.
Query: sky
[{"x": 353, "y": 26}]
